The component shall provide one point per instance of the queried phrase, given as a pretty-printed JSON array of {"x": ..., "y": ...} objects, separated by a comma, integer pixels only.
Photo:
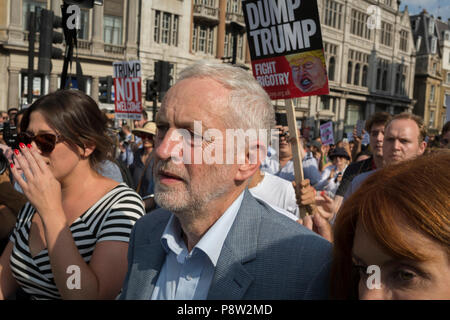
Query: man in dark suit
[{"x": 212, "y": 239}]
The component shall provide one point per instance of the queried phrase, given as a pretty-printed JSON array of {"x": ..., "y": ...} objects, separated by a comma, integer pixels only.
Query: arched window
[
  {"x": 384, "y": 81},
  {"x": 378, "y": 78},
  {"x": 356, "y": 76},
  {"x": 349, "y": 72},
  {"x": 331, "y": 67},
  {"x": 403, "y": 85},
  {"x": 364, "y": 76}
]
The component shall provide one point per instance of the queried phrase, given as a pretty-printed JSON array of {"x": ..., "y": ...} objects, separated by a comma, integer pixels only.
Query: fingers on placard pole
[{"x": 296, "y": 151}]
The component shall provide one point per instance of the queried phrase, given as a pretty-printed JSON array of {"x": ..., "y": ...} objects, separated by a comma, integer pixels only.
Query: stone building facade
[
  {"x": 432, "y": 79},
  {"x": 108, "y": 33},
  {"x": 370, "y": 69}
]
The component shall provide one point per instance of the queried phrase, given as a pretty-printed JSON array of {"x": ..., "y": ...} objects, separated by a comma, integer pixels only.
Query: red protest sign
[
  {"x": 128, "y": 90},
  {"x": 286, "y": 47}
]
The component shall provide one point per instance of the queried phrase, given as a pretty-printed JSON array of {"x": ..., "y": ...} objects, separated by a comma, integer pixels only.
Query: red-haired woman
[{"x": 392, "y": 236}]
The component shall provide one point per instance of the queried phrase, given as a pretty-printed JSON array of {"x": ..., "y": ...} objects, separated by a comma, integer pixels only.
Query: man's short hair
[
  {"x": 249, "y": 106},
  {"x": 418, "y": 120},
  {"x": 446, "y": 128},
  {"x": 376, "y": 119}
]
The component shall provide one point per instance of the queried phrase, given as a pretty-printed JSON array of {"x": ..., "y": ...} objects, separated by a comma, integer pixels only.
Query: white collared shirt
[{"x": 188, "y": 275}]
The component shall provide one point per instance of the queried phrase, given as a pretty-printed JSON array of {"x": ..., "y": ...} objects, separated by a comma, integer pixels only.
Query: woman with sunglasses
[{"x": 71, "y": 239}]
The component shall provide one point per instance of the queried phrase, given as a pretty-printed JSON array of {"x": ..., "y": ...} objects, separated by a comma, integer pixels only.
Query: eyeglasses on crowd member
[
  {"x": 396, "y": 223},
  {"x": 76, "y": 222}
]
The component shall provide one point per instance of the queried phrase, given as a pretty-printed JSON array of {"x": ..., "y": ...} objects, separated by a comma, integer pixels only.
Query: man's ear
[
  {"x": 255, "y": 154},
  {"x": 422, "y": 147}
]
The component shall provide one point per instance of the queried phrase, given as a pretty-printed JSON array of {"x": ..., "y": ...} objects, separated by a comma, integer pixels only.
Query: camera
[
  {"x": 3, "y": 162},
  {"x": 10, "y": 135}
]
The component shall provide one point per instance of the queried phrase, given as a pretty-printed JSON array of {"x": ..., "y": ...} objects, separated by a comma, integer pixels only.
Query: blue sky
[{"x": 434, "y": 7}]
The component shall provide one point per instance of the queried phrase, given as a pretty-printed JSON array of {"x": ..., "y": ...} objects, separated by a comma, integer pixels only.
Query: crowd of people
[{"x": 141, "y": 219}]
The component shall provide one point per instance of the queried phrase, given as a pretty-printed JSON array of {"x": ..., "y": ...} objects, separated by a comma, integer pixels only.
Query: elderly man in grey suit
[{"x": 212, "y": 239}]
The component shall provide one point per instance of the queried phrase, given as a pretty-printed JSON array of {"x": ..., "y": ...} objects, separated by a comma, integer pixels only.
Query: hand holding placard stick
[
  {"x": 296, "y": 151},
  {"x": 286, "y": 50}
]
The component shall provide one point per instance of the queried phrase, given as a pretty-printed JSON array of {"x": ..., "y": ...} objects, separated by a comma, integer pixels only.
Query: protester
[
  {"x": 142, "y": 167},
  {"x": 332, "y": 175},
  {"x": 277, "y": 192},
  {"x": 445, "y": 136},
  {"x": 398, "y": 222},
  {"x": 11, "y": 201},
  {"x": 282, "y": 165},
  {"x": 12, "y": 113},
  {"x": 404, "y": 139},
  {"x": 375, "y": 127},
  {"x": 213, "y": 239},
  {"x": 75, "y": 216}
]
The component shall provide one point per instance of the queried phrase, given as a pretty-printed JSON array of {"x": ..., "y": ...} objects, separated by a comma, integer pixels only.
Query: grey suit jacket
[{"x": 265, "y": 256}]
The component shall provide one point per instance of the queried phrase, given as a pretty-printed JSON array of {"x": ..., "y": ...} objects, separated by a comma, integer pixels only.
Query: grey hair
[{"x": 249, "y": 105}]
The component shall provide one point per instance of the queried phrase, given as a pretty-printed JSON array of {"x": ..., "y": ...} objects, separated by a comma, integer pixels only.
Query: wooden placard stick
[{"x": 296, "y": 152}]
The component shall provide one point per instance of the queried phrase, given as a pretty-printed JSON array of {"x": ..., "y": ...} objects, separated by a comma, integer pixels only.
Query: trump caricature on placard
[{"x": 309, "y": 72}]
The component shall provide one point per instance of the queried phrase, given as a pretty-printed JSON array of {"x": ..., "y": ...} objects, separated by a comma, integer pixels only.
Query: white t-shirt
[{"x": 277, "y": 192}]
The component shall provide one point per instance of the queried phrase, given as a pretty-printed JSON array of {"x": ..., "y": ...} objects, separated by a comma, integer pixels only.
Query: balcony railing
[
  {"x": 84, "y": 45},
  {"x": 114, "y": 49},
  {"x": 235, "y": 17},
  {"x": 204, "y": 12}
]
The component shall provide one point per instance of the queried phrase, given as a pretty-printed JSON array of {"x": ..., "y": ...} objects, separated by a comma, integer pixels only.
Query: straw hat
[{"x": 149, "y": 128}]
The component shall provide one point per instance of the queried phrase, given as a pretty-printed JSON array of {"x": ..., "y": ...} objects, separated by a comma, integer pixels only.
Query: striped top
[{"x": 110, "y": 219}]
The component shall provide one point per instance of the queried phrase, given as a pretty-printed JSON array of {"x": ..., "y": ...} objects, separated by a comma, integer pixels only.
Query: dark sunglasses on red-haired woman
[{"x": 46, "y": 142}]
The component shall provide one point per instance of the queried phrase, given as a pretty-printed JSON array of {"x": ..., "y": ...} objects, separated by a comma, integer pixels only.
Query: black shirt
[{"x": 352, "y": 171}]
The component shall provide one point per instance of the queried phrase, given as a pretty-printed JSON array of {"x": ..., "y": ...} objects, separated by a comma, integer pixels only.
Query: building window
[
  {"x": 194, "y": 39},
  {"x": 404, "y": 40},
  {"x": 112, "y": 30},
  {"x": 365, "y": 72},
  {"x": 433, "y": 45},
  {"x": 349, "y": 72},
  {"x": 386, "y": 34},
  {"x": 234, "y": 6},
  {"x": 331, "y": 68},
  {"x": 325, "y": 103},
  {"x": 330, "y": 56},
  {"x": 30, "y": 6},
  {"x": 356, "y": 76},
  {"x": 166, "y": 28},
  {"x": 431, "y": 120},
  {"x": 431, "y": 27},
  {"x": 229, "y": 42},
  {"x": 359, "y": 24},
  {"x": 384, "y": 80},
  {"x": 332, "y": 14},
  {"x": 156, "y": 26},
  {"x": 448, "y": 78},
  {"x": 83, "y": 33},
  {"x": 203, "y": 39},
  {"x": 382, "y": 74},
  {"x": 432, "y": 93}
]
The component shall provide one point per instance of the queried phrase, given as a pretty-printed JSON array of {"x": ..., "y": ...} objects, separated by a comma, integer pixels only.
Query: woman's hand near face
[{"x": 40, "y": 185}]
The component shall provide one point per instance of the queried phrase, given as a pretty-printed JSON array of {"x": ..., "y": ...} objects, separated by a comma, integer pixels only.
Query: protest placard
[
  {"x": 359, "y": 127},
  {"x": 128, "y": 89},
  {"x": 326, "y": 133},
  {"x": 286, "y": 47}
]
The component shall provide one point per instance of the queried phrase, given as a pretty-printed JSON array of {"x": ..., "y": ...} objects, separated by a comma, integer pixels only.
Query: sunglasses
[
  {"x": 144, "y": 136},
  {"x": 46, "y": 142}
]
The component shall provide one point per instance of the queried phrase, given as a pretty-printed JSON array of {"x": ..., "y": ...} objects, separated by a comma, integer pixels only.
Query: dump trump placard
[
  {"x": 286, "y": 47},
  {"x": 128, "y": 90}
]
